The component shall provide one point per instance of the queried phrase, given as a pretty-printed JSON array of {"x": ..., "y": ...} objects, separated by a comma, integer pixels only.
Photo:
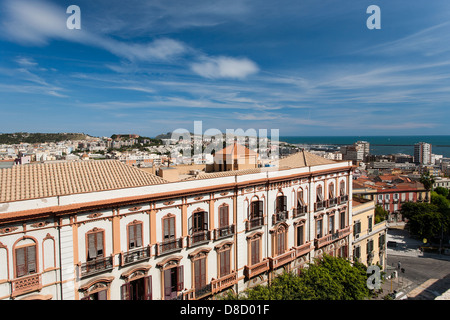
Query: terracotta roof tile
[
  {"x": 42, "y": 180},
  {"x": 303, "y": 159}
]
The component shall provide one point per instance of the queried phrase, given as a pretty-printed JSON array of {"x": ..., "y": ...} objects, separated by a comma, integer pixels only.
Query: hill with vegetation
[{"x": 25, "y": 137}]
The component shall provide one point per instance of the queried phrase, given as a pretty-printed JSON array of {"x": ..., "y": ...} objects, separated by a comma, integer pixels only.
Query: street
[{"x": 425, "y": 277}]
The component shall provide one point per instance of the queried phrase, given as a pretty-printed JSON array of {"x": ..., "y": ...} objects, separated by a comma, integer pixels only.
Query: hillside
[{"x": 25, "y": 137}]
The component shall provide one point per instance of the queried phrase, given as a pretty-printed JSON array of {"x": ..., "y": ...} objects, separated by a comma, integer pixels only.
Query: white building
[{"x": 105, "y": 230}]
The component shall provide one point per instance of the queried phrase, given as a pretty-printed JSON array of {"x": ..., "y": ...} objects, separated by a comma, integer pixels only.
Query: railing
[
  {"x": 280, "y": 216},
  {"x": 26, "y": 284},
  {"x": 202, "y": 292},
  {"x": 319, "y": 205},
  {"x": 303, "y": 249},
  {"x": 332, "y": 202},
  {"x": 254, "y": 223},
  {"x": 320, "y": 242},
  {"x": 343, "y": 199},
  {"x": 223, "y": 232},
  {"x": 168, "y": 246},
  {"x": 282, "y": 259},
  {"x": 95, "y": 266},
  {"x": 199, "y": 238},
  {"x": 134, "y": 255},
  {"x": 299, "y": 211},
  {"x": 257, "y": 268},
  {"x": 224, "y": 282}
]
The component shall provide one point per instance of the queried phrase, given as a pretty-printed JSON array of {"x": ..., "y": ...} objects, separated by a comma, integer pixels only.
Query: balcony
[
  {"x": 282, "y": 259},
  {"x": 299, "y": 211},
  {"x": 198, "y": 238},
  {"x": 96, "y": 266},
  {"x": 343, "y": 199},
  {"x": 202, "y": 292},
  {"x": 257, "y": 268},
  {"x": 224, "y": 282},
  {"x": 303, "y": 249},
  {"x": 223, "y": 232},
  {"x": 168, "y": 246},
  {"x": 280, "y": 216},
  {"x": 254, "y": 223},
  {"x": 327, "y": 239},
  {"x": 319, "y": 205},
  {"x": 26, "y": 284},
  {"x": 134, "y": 256},
  {"x": 332, "y": 202}
]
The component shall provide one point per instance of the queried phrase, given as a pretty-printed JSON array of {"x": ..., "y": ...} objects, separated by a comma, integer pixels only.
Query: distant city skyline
[{"x": 307, "y": 68}]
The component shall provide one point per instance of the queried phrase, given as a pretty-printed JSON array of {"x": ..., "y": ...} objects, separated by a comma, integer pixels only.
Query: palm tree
[{"x": 427, "y": 181}]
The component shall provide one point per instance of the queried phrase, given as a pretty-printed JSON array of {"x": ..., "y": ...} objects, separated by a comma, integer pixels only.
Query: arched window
[{"x": 25, "y": 254}]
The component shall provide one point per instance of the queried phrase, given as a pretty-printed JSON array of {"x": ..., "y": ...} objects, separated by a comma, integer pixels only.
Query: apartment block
[
  {"x": 96, "y": 230},
  {"x": 369, "y": 238}
]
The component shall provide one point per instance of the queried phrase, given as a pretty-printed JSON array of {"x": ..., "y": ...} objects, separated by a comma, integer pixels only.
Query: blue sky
[{"x": 305, "y": 67}]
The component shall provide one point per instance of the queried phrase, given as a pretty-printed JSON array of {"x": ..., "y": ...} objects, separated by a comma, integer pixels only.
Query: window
[
  {"x": 369, "y": 246},
  {"x": 98, "y": 295},
  {"x": 357, "y": 228},
  {"x": 319, "y": 193},
  {"x": 200, "y": 221},
  {"x": 224, "y": 262},
  {"x": 357, "y": 252},
  {"x": 280, "y": 240},
  {"x": 342, "y": 216},
  {"x": 256, "y": 210},
  {"x": 223, "y": 216},
  {"x": 319, "y": 228},
  {"x": 26, "y": 260},
  {"x": 299, "y": 239},
  {"x": 200, "y": 273},
  {"x": 370, "y": 223},
  {"x": 139, "y": 289},
  {"x": 135, "y": 235},
  {"x": 255, "y": 247},
  {"x": 95, "y": 245},
  {"x": 168, "y": 228},
  {"x": 331, "y": 223},
  {"x": 173, "y": 282},
  {"x": 342, "y": 188},
  {"x": 331, "y": 190},
  {"x": 300, "y": 202},
  {"x": 281, "y": 204}
]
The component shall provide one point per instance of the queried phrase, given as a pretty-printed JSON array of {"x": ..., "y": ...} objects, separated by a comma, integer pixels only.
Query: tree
[
  {"x": 380, "y": 214},
  {"x": 427, "y": 220},
  {"x": 442, "y": 191},
  {"x": 427, "y": 181},
  {"x": 330, "y": 278}
]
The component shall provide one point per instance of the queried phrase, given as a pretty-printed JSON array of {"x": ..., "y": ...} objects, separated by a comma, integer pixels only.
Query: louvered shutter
[
  {"x": 125, "y": 291},
  {"x": 300, "y": 202},
  {"x": 99, "y": 236},
  {"x": 20, "y": 262},
  {"x": 205, "y": 221},
  {"x": 260, "y": 209},
  {"x": 131, "y": 236},
  {"x": 172, "y": 228},
  {"x": 167, "y": 283},
  {"x": 102, "y": 295},
  {"x": 138, "y": 235},
  {"x": 148, "y": 288},
  {"x": 92, "y": 251},
  {"x": 31, "y": 259},
  {"x": 180, "y": 278}
]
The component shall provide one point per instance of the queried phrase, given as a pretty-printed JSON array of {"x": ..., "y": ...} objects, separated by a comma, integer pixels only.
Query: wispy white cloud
[{"x": 225, "y": 67}]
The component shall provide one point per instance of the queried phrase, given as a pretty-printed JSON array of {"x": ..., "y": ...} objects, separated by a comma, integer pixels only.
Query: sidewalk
[{"x": 399, "y": 285}]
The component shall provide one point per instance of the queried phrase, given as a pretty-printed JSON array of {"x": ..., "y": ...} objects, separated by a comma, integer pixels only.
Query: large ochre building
[{"x": 106, "y": 230}]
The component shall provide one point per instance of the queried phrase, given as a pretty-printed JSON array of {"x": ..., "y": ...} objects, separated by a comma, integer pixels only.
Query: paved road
[{"x": 426, "y": 276}]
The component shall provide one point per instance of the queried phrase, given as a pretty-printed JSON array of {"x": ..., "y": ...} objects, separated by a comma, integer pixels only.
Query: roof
[
  {"x": 31, "y": 181},
  {"x": 220, "y": 174},
  {"x": 303, "y": 159},
  {"x": 235, "y": 151}
]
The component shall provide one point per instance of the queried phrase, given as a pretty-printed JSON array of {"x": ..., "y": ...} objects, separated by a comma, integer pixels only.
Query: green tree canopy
[{"x": 330, "y": 278}]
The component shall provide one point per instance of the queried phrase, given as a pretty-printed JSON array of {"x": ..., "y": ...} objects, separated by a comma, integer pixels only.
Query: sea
[{"x": 379, "y": 145}]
